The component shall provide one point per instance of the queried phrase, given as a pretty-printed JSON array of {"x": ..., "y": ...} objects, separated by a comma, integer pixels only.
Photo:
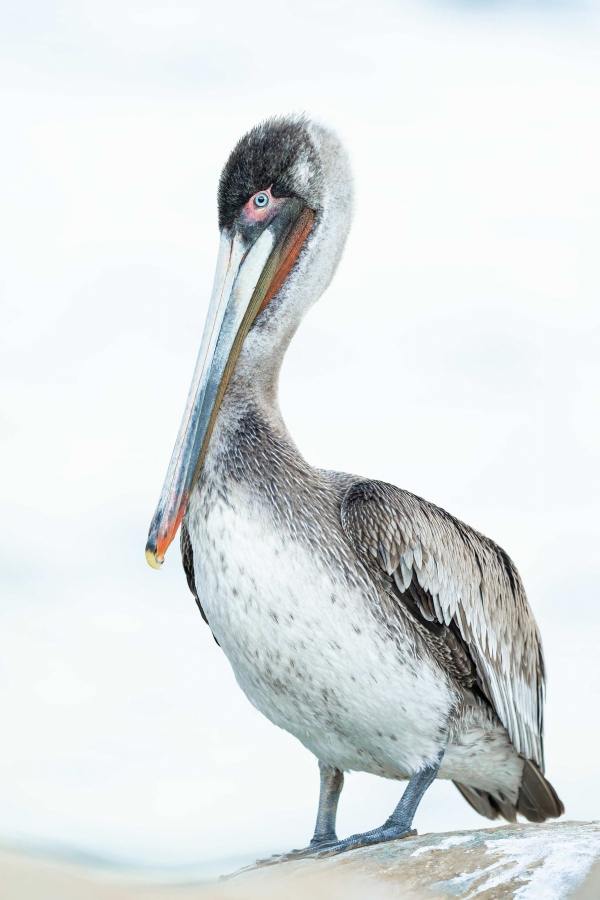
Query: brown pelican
[{"x": 382, "y": 632}]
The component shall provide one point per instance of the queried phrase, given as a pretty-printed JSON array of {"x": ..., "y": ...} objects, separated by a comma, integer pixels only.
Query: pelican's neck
[
  {"x": 255, "y": 380},
  {"x": 254, "y": 383},
  {"x": 250, "y": 439}
]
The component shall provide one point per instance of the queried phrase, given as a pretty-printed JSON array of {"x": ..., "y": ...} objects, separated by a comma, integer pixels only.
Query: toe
[
  {"x": 379, "y": 836},
  {"x": 270, "y": 860},
  {"x": 295, "y": 854},
  {"x": 302, "y": 853},
  {"x": 331, "y": 848}
]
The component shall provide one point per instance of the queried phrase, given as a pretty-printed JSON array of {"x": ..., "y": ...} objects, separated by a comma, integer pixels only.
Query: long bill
[{"x": 250, "y": 270}]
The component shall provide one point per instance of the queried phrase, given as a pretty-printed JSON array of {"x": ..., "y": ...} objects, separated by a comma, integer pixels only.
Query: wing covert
[{"x": 458, "y": 578}]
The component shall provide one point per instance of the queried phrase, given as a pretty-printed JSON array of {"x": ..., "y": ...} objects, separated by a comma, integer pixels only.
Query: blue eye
[{"x": 261, "y": 200}]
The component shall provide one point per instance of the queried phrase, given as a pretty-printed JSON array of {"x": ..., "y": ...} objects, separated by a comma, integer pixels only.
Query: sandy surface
[{"x": 549, "y": 862}]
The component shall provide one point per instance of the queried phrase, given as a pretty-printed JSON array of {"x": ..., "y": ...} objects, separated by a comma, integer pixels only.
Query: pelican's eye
[{"x": 261, "y": 200}]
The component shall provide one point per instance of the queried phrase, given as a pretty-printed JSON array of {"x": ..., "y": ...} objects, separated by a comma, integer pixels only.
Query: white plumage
[{"x": 386, "y": 635}]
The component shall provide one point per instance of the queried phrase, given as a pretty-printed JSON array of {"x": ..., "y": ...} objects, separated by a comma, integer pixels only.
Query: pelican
[{"x": 387, "y": 636}]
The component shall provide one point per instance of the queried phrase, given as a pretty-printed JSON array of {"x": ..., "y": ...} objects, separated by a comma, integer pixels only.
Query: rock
[
  {"x": 528, "y": 862},
  {"x": 533, "y": 862},
  {"x": 591, "y": 887}
]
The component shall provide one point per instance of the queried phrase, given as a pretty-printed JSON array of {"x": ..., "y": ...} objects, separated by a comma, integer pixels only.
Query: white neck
[{"x": 256, "y": 374}]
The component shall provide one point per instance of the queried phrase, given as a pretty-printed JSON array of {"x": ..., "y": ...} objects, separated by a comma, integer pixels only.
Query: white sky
[{"x": 455, "y": 355}]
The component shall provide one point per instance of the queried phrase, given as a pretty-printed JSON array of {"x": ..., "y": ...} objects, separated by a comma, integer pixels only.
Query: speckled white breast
[{"x": 307, "y": 651}]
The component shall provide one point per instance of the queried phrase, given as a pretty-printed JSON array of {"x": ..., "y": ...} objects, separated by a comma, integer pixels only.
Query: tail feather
[
  {"x": 487, "y": 804},
  {"x": 537, "y": 799}
]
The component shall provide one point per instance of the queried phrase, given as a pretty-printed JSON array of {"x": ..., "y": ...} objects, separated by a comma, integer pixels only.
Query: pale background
[{"x": 456, "y": 354}]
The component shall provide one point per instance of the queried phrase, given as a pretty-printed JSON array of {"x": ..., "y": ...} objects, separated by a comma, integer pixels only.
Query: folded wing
[{"x": 454, "y": 577}]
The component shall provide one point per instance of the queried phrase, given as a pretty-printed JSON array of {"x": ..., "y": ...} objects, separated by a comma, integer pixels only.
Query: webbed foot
[
  {"x": 313, "y": 849},
  {"x": 377, "y": 836}
]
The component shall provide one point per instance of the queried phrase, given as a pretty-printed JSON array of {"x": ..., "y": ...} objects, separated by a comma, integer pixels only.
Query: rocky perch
[
  {"x": 528, "y": 862},
  {"x": 531, "y": 862}
]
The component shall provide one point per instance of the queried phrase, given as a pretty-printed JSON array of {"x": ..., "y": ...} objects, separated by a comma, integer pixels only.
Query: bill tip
[{"x": 152, "y": 557}]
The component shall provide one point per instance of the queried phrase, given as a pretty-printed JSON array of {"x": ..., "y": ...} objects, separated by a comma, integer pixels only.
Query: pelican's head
[{"x": 285, "y": 205}]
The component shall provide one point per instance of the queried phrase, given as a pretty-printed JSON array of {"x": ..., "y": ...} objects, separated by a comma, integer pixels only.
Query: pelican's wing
[
  {"x": 455, "y": 577},
  {"x": 187, "y": 557}
]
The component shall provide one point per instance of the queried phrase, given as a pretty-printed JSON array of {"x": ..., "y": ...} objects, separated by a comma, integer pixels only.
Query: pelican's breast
[{"x": 305, "y": 642}]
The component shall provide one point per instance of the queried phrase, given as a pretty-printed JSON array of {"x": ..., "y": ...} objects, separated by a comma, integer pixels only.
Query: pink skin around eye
[{"x": 253, "y": 213}]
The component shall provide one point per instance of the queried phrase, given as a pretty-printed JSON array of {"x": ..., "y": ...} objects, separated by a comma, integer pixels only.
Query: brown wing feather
[
  {"x": 460, "y": 580},
  {"x": 187, "y": 557}
]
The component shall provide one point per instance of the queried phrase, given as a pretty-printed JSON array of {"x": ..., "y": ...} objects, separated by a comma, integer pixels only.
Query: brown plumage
[{"x": 467, "y": 595}]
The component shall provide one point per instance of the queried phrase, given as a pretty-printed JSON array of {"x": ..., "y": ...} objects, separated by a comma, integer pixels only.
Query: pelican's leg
[
  {"x": 332, "y": 782},
  {"x": 399, "y": 823}
]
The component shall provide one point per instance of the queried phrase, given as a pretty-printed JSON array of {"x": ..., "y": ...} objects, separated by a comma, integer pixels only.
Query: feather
[{"x": 468, "y": 584}]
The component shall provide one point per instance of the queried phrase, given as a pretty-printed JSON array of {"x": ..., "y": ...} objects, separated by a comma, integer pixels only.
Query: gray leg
[
  {"x": 399, "y": 823},
  {"x": 332, "y": 782}
]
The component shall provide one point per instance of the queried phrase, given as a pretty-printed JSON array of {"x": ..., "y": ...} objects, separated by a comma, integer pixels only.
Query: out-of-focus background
[{"x": 455, "y": 354}]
